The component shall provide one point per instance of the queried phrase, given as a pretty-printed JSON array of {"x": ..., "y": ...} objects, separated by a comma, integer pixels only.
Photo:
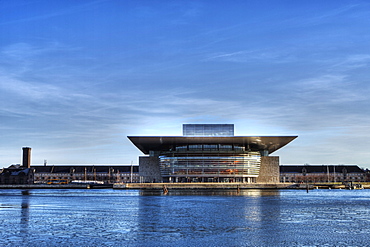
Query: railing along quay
[{"x": 179, "y": 186}]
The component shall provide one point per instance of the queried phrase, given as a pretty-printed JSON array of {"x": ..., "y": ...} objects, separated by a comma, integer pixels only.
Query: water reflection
[
  {"x": 250, "y": 193},
  {"x": 25, "y": 216},
  {"x": 246, "y": 216},
  {"x": 264, "y": 217},
  {"x": 184, "y": 218}
]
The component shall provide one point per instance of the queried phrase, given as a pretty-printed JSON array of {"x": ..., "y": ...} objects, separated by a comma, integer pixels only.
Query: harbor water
[{"x": 110, "y": 217}]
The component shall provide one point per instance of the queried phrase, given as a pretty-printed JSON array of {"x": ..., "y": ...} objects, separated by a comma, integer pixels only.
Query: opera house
[{"x": 209, "y": 153}]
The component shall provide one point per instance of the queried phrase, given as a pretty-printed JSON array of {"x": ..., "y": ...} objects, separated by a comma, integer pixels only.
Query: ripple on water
[{"x": 127, "y": 218}]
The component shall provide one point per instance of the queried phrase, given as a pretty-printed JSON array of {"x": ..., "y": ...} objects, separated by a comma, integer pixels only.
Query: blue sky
[{"x": 78, "y": 77}]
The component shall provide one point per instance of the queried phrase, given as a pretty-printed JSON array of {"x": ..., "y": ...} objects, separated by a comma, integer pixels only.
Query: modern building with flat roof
[{"x": 209, "y": 153}]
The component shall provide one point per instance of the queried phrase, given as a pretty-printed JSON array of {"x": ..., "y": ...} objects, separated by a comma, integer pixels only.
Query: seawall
[
  {"x": 201, "y": 186},
  {"x": 54, "y": 186}
]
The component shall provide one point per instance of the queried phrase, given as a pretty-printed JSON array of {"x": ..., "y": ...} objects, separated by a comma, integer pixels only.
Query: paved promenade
[
  {"x": 179, "y": 186},
  {"x": 52, "y": 186}
]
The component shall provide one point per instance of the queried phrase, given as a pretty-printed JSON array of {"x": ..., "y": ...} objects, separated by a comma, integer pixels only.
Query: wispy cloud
[
  {"x": 58, "y": 12},
  {"x": 30, "y": 91},
  {"x": 324, "y": 16},
  {"x": 252, "y": 56},
  {"x": 350, "y": 62}
]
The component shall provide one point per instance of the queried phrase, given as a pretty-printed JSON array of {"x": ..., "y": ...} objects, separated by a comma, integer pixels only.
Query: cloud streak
[{"x": 56, "y": 13}]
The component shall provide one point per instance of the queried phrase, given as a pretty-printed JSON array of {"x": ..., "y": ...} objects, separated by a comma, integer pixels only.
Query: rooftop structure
[{"x": 208, "y": 130}]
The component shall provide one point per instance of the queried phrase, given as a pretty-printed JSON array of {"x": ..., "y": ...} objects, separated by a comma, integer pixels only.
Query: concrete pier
[
  {"x": 55, "y": 186},
  {"x": 201, "y": 186}
]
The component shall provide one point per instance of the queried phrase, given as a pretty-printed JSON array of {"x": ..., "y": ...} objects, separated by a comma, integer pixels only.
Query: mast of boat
[
  {"x": 131, "y": 171},
  {"x": 334, "y": 173},
  {"x": 327, "y": 169}
]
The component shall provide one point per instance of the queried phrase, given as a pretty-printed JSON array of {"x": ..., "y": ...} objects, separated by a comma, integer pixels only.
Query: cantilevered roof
[{"x": 254, "y": 143}]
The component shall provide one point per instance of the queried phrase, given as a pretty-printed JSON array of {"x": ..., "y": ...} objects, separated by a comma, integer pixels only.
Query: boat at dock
[{"x": 352, "y": 186}]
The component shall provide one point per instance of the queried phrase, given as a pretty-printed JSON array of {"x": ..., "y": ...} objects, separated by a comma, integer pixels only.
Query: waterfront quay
[
  {"x": 183, "y": 186},
  {"x": 55, "y": 186},
  {"x": 201, "y": 186},
  {"x": 229, "y": 186},
  {"x": 154, "y": 186}
]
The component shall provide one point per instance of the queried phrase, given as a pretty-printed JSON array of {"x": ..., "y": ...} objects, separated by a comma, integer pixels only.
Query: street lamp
[
  {"x": 304, "y": 172},
  {"x": 344, "y": 171}
]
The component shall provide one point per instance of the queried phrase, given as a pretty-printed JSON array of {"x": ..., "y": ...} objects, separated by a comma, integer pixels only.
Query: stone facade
[
  {"x": 269, "y": 170},
  {"x": 149, "y": 169}
]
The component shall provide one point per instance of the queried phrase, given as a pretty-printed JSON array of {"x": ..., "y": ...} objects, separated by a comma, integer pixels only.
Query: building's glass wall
[
  {"x": 210, "y": 163},
  {"x": 208, "y": 130}
]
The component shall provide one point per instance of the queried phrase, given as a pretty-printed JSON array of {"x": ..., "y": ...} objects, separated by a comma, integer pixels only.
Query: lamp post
[
  {"x": 304, "y": 172},
  {"x": 344, "y": 171},
  {"x": 131, "y": 172}
]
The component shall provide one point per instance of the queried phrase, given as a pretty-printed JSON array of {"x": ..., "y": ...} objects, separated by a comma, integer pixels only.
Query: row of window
[
  {"x": 105, "y": 177},
  {"x": 247, "y": 164},
  {"x": 331, "y": 177},
  {"x": 319, "y": 179},
  {"x": 210, "y": 147},
  {"x": 88, "y": 174}
]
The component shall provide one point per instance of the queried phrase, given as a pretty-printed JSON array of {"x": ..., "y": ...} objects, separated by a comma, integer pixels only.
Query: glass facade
[
  {"x": 210, "y": 163},
  {"x": 208, "y": 130}
]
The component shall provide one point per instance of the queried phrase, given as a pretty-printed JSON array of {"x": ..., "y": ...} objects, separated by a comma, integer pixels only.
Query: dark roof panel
[{"x": 255, "y": 143}]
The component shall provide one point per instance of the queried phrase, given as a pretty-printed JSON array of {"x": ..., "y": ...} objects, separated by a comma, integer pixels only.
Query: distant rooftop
[
  {"x": 83, "y": 168},
  {"x": 208, "y": 129},
  {"x": 320, "y": 168}
]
